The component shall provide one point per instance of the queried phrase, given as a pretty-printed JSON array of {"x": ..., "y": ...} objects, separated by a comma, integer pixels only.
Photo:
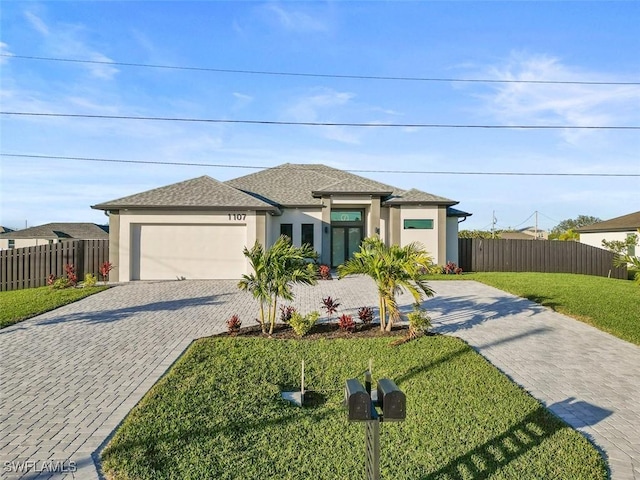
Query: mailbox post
[{"x": 361, "y": 408}]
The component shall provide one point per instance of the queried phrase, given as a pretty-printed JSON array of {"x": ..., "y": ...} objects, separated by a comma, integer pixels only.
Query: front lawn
[
  {"x": 218, "y": 414},
  {"x": 18, "y": 305},
  {"x": 608, "y": 304}
]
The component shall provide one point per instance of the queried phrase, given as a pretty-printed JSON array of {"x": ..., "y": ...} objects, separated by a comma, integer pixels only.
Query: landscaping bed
[{"x": 218, "y": 414}]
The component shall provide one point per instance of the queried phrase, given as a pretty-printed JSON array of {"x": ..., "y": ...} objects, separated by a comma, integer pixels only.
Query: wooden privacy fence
[
  {"x": 30, "y": 266},
  {"x": 497, "y": 255}
]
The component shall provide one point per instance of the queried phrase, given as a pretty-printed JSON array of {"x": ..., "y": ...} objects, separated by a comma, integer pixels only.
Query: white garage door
[{"x": 166, "y": 252}]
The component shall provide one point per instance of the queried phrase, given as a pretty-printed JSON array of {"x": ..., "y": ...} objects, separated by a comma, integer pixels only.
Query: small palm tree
[
  {"x": 393, "y": 269},
  {"x": 275, "y": 270}
]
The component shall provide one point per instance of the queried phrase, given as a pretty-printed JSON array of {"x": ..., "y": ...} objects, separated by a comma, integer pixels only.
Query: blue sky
[{"x": 562, "y": 41}]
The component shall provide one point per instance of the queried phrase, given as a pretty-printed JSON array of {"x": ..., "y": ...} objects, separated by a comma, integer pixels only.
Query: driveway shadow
[
  {"x": 452, "y": 314},
  {"x": 113, "y": 315}
]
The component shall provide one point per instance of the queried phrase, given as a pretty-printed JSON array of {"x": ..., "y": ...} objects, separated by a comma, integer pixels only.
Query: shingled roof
[
  {"x": 198, "y": 193},
  {"x": 293, "y": 185},
  {"x": 52, "y": 231},
  {"x": 418, "y": 197},
  {"x": 301, "y": 185},
  {"x": 619, "y": 224}
]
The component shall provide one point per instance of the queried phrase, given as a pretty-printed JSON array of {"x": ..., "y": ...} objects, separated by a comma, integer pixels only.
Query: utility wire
[
  {"x": 325, "y": 124},
  {"x": 262, "y": 167},
  {"x": 313, "y": 75}
]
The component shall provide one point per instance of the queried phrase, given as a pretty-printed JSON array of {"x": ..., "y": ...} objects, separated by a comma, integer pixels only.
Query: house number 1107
[{"x": 237, "y": 216}]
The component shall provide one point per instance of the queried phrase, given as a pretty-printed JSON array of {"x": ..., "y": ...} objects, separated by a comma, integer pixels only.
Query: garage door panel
[{"x": 164, "y": 252}]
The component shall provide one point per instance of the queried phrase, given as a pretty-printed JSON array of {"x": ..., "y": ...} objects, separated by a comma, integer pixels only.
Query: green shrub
[
  {"x": 90, "y": 280},
  {"x": 419, "y": 321},
  {"x": 302, "y": 324},
  {"x": 60, "y": 283}
]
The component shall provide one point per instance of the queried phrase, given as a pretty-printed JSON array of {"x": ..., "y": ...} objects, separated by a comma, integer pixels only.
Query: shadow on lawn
[
  {"x": 152, "y": 447},
  {"x": 489, "y": 458}
]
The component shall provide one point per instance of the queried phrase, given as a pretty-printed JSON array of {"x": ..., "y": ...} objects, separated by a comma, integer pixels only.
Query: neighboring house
[
  {"x": 53, "y": 233},
  {"x": 619, "y": 228},
  {"x": 198, "y": 228},
  {"x": 4, "y": 243},
  {"x": 528, "y": 233}
]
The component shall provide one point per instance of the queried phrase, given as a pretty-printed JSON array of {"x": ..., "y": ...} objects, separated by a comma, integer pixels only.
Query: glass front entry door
[{"x": 345, "y": 241}]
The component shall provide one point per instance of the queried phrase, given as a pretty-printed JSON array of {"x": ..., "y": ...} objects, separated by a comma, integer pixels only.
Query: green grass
[
  {"x": 18, "y": 305},
  {"x": 608, "y": 304},
  {"x": 218, "y": 414}
]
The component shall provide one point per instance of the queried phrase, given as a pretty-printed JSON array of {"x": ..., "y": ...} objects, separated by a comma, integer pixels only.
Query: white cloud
[
  {"x": 559, "y": 104},
  {"x": 295, "y": 20},
  {"x": 4, "y": 49},
  {"x": 242, "y": 100},
  {"x": 37, "y": 23},
  {"x": 322, "y": 105},
  {"x": 68, "y": 40}
]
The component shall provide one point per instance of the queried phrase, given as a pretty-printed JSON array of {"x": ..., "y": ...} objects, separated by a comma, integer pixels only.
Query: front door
[{"x": 345, "y": 241}]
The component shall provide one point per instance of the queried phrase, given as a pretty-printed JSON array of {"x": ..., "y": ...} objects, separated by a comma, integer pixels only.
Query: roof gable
[
  {"x": 416, "y": 197},
  {"x": 301, "y": 184},
  {"x": 197, "y": 193}
]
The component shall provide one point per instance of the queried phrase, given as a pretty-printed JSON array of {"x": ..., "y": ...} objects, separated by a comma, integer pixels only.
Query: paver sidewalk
[{"x": 587, "y": 377}]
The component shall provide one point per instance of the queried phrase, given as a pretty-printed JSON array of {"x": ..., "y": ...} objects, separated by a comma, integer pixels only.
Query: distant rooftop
[{"x": 52, "y": 231}]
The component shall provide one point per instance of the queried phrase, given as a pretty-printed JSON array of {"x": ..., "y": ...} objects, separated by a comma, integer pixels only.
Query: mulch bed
[{"x": 323, "y": 330}]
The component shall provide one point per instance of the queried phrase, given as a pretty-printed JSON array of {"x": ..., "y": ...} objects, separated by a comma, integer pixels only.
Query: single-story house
[
  {"x": 619, "y": 228},
  {"x": 198, "y": 228},
  {"x": 53, "y": 233},
  {"x": 4, "y": 244},
  {"x": 527, "y": 233}
]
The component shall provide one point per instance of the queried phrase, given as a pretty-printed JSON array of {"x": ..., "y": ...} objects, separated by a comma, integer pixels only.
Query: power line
[
  {"x": 313, "y": 75},
  {"x": 324, "y": 124},
  {"x": 262, "y": 167}
]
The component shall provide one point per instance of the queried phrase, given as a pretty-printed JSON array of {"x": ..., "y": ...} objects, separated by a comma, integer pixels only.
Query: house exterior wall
[
  {"x": 432, "y": 239},
  {"x": 296, "y": 217},
  {"x": 452, "y": 240},
  {"x": 130, "y": 222},
  {"x": 595, "y": 239}
]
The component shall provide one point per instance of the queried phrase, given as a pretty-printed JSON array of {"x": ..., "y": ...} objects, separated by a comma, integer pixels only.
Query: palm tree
[
  {"x": 393, "y": 269},
  {"x": 275, "y": 270}
]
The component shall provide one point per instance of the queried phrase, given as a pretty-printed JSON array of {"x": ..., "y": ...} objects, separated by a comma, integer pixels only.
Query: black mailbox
[
  {"x": 391, "y": 400},
  {"x": 357, "y": 401}
]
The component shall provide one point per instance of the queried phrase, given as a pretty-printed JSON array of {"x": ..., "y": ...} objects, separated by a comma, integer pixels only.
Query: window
[
  {"x": 307, "y": 234},
  {"x": 346, "y": 216},
  {"x": 631, "y": 249},
  {"x": 12, "y": 243},
  {"x": 418, "y": 224},
  {"x": 287, "y": 229}
]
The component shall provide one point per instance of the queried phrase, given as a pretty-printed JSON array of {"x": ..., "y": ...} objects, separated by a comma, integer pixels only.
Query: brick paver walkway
[
  {"x": 69, "y": 377},
  {"x": 588, "y": 378}
]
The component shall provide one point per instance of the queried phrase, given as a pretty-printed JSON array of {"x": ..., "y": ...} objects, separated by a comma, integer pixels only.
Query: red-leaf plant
[
  {"x": 365, "y": 314},
  {"x": 234, "y": 324},
  {"x": 346, "y": 323},
  {"x": 72, "y": 278},
  {"x": 330, "y": 305}
]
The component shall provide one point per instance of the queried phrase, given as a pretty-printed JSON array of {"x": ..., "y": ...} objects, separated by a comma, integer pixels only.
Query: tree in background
[{"x": 571, "y": 224}]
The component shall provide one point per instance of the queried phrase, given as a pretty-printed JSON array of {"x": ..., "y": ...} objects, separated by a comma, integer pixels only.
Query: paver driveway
[
  {"x": 586, "y": 377},
  {"x": 70, "y": 376}
]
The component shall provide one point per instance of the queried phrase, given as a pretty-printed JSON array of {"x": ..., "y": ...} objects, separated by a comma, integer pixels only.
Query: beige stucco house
[
  {"x": 198, "y": 228},
  {"x": 619, "y": 228},
  {"x": 50, "y": 233}
]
